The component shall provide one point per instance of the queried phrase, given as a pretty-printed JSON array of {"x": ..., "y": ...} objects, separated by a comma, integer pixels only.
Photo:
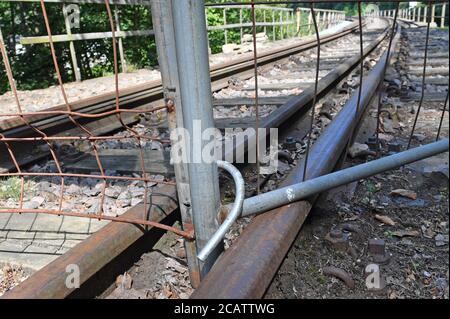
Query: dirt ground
[{"x": 415, "y": 231}]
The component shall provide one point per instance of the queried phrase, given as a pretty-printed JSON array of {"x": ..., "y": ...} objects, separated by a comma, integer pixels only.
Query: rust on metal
[
  {"x": 73, "y": 116},
  {"x": 170, "y": 106},
  {"x": 316, "y": 83},
  {"x": 341, "y": 274},
  {"x": 93, "y": 253},
  {"x": 246, "y": 269}
]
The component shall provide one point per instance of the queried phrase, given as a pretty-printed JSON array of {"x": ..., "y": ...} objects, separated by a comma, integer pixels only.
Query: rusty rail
[{"x": 246, "y": 269}]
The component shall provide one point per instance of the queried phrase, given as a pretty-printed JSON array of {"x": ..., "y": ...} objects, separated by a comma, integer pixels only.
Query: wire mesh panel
[{"x": 104, "y": 179}]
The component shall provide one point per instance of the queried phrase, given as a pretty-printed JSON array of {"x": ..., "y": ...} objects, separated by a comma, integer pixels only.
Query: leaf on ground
[
  {"x": 404, "y": 193},
  {"x": 406, "y": 233},
  {"x": 385, "y": 220}
]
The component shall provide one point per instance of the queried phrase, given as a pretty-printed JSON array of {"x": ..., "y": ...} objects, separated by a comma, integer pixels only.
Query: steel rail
[
  {"x": 300, "y": 104},
  {"x": 92, "y": 254},
  {"x": 49, "y": 282},
  {"x": 246, "y": 269},
  {"x": 152, "y": 91},
  {"x": 144, "y": 96}
]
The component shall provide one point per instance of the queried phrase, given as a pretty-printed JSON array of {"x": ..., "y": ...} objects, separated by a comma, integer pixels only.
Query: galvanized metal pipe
[
  {"x": 167, "y": 60},
  {"x": 286, "y": 195},
  {"x": 195, "y": 91},
  {"x": 235, "y": 210}
]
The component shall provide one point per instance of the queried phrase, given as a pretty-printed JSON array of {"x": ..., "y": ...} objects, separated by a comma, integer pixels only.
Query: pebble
[
  {"x": 110, "y": 172},
  {"x": 124, "y": 199},
  {"x": 419, "y": 137},
  {"x": 89, "y": 202},
  {"x": 39, "y": 200},
  {"x": 44, "y": 186},
  {"x": 441, "y": 240},
  {"x": 113, "y": 191},
  {"x": 95, "y": 207},
  {"x": 92, "y": 191},
  {"x": 73, "y": 189},
  {"x": 135, "y": 201},
  {"x": 358, "y": 149},
  {"x": 325, "y": 121},
  {"x": 49, "y": 196},
  {"x": 68, "y": 206},
  {"x": 31, "y": 205}
]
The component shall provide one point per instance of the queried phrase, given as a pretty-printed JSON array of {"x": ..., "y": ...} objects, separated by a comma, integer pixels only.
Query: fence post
[
  {"x": 281, "y": 25},
  {"x": 264, "y": 18},
  {"x": 241, "y": 20},
  {"x": 419, "y": 10},
  {"x": 123, "y": 61},
  {"x": 2, "y": 42},
  {"x": 298, "y": 12},
  {"x": 195, "y": 93},
  {"x": 290, "y": 18},
  {"x": 318, "y": 19},
  {"x": 274, "y": 30},
  {"x": 443, "y": 16},
  {"x": 207, "y": 26},
  {"x": 414, "y": 14},
  {"x": 165, "y": 45},
  {"x": 73, "y": 55},
  {"x": 309, "y": 22},
  {"x": 225, "y": 24},
  {"x": 433, "y": 13},
  {"x": 425, "y": 13}
]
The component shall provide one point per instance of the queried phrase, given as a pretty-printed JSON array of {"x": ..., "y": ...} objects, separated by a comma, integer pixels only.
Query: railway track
[
  {"x": 145, "y": 96},
  {"x": 411, "y": 67},
  {"x": 283, "y": 95}
]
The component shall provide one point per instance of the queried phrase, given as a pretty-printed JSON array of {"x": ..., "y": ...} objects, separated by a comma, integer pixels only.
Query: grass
[
  {"x": 10, "y": 188},
  {"x": 389, "y": 234}
]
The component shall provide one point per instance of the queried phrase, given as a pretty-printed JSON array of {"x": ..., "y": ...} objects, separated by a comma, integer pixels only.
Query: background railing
[
  {"x": 419, "y": 14},
  {"x": 225, "y": 25},
  {"x": 277, "y": 23}
]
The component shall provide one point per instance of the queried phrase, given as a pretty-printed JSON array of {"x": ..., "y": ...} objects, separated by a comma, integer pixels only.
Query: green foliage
[
  {"x": 33, "y": 66},
  {"x": 10, "y": 188}
]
